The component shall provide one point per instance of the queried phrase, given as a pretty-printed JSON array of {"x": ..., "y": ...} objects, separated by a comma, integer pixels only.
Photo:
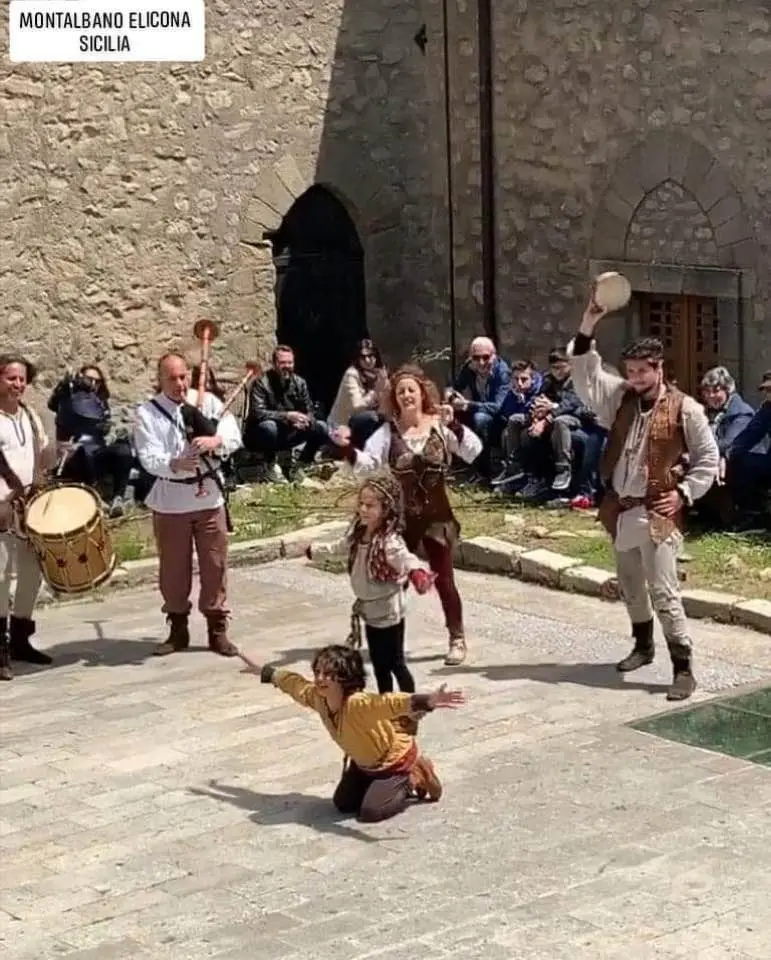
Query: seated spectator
[
  {"x": 81, "y": 405},
  {"x": 728, "y": 415},
  {"x": 281, "y": 417},
  {"x": 542, "y": 445},
  {"x": 749, "y": 460},
  {"x": 588, "y": 445},
  {"x": 358, "y": 396},
  {"x": 477, "y": 394},
  {"x": 514, "y": 413}
]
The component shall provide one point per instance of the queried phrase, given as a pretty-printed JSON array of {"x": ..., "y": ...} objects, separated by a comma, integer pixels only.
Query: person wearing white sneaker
[
  {"x": 281, "y": 416},
  {"x": 417, "y": 442}
]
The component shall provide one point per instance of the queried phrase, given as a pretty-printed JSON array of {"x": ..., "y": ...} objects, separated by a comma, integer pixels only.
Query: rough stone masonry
[{"x": 136, "y": 198}]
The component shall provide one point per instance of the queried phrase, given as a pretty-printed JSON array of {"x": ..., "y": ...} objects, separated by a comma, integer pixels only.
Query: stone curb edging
[
  {"x": 560, "y": 572},
  {"x": 482, "y": 554}
]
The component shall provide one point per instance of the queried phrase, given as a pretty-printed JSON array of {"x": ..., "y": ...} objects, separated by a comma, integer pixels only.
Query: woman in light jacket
[{"x": 358, "y": 396}]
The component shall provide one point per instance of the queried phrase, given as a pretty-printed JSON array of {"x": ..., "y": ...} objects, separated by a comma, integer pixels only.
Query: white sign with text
[{"x": 107, "y": 31}]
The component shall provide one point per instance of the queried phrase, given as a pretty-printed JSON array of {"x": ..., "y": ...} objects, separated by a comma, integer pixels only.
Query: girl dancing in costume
[
  {"x": 384, "y": 765},
  {"x": 380, "y": 567},
  {"x": 418, "y": 441}
]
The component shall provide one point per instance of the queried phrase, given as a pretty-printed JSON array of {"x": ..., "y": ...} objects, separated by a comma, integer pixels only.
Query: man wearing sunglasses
[{"x": 477, "y": 393}]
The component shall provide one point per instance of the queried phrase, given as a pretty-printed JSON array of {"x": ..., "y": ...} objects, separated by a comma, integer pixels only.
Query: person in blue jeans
[
  {"x": 513, "y": 413},
  {"x": 588, "y": 444},
  {"x": 282, "y": 416},
  {"x": 476, "y": 395},
  {"x": 542, "y": 445},
  {"x": 749, "y": 464}
]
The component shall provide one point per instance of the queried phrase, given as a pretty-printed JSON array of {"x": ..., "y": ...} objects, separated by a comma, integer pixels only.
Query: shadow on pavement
[
  {"x": 277, "y": 808},
  {"x": 602, "y": 675}
]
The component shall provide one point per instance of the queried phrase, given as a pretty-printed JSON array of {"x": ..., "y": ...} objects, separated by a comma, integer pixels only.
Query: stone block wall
[
  {"x": 630, "y": 131},
  {"x": 136, "y": 197}
]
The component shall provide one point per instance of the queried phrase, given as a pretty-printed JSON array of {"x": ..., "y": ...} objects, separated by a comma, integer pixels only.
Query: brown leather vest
[
  {"x": 666, "y": 447},
  {"x": 427, "y": 508}
]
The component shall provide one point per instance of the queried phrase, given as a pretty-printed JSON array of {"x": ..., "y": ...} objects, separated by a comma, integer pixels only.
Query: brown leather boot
[
  {"x": 178, "y": 638},
  {"x": 20, "y": 631},
  {"x": 5, "y": 654},
  {"x": 684, "y": 682},
  {"x": 644, "y": 649},
  {"x": 217, "y": 624},
  {"x": 424, "y": 782}
]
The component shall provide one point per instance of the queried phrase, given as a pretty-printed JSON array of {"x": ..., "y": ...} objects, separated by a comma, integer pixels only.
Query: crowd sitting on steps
[{"x": 541, "y": 445}]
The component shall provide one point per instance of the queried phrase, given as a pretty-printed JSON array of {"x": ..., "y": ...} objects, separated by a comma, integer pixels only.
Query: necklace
[{"x": 18, "y": 426}]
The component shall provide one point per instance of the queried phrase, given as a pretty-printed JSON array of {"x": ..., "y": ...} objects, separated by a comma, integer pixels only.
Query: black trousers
[
  {"x": 93, "y": 463},
  {"x": 386, "y": 653}
]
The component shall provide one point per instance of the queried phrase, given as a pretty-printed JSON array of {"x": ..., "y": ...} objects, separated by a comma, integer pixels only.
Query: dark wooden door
[
  {"x": 320, "y": 299},
  {"x": 688, "y": 328}
]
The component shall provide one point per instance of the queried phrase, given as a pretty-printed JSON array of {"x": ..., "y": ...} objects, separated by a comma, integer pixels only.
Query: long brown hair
[{"x": 429, "y": 392}]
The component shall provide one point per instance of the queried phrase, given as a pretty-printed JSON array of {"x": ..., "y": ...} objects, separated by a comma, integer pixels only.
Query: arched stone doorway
[
  {"x": 672, "y": 220},
  {"x": 320, "y": 289}
]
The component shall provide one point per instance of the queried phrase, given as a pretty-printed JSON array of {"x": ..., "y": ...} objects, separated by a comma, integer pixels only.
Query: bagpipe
[{"x": 195, "y": 422}]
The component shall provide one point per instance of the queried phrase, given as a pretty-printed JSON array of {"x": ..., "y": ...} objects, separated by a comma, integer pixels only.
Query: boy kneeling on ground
[{"x": 383, "y": 767}]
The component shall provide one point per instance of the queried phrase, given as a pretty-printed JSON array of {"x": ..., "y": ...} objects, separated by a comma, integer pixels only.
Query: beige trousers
[
  {"x": 17, "y": 557},
  {"x": 647, "y": 578}
]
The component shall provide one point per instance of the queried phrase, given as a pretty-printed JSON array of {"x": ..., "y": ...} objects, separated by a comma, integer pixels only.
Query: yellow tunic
[{"x": 366, "y": 729}]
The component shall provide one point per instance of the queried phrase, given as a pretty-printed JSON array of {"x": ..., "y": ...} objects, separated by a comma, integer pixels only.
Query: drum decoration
[{"x": 66, "y": 527}]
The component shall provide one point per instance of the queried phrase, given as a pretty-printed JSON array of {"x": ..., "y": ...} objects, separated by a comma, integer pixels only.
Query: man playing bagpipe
[{"x": 181, "y": 444}]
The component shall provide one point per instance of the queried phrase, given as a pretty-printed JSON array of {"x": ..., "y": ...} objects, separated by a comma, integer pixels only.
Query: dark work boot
[
  {"x": 21, "y": 630},
  {"x": 217, "y": 624},
  {"x": 684, "y": 683},
  {"x": 178, "y": 638},
  {"x": 643, "y": 651},
  {"x": 5, "y": 653}
]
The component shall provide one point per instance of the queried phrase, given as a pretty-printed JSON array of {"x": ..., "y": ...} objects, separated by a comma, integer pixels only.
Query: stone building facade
[
  {"x": 634, "y": 136},
  {"x": 138, "y": 198}
]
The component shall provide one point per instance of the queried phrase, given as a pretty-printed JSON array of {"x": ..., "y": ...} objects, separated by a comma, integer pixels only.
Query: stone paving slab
[{"x": 176, "y": 808}]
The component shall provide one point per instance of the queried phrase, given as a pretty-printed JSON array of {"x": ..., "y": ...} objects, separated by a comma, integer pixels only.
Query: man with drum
[
  {"x": 661, "y": 456},
  {"x": 25, "y": 453},
  {"x": 188, "y": 503}
]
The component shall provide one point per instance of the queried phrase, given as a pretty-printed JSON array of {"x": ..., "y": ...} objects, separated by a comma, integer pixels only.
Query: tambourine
[{"x": 612, "y": 291}]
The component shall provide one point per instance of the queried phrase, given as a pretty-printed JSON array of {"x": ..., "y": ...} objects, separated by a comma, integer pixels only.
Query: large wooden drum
[{"x": 66, "y": 528}]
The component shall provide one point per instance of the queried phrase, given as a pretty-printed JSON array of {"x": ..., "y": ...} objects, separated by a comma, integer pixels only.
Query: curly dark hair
[
  {"x": 10, "y": 359},
  {"x": 342, "y": 664},
  {"x": 645, "y": 348},
  {"x": 429, "y": 392},
  {"x": 389, "y": 492}
]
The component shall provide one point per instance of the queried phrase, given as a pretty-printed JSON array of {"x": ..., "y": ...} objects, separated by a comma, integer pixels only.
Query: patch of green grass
[{"x": 738, "y": 565}]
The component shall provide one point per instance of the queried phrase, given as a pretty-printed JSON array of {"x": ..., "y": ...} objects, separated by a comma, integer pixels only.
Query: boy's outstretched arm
[
  {"x": 300, "y": 689},
  {"x": 389, "y": 706}
]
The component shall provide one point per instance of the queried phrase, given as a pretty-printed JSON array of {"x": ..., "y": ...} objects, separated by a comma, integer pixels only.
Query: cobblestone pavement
[{"x": 177, "y": 809}]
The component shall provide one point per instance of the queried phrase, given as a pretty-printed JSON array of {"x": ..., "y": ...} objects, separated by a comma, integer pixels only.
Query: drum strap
[
  {"x": 9, "y": 475},
  {"x": 7, "y": 472}
]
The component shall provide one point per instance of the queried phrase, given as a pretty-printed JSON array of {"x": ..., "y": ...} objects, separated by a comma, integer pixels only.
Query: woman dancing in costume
[
  {"x": 380, "y": 567},
  {"x": 418, "y": 441},
  {"x": 384, "y": 765}
]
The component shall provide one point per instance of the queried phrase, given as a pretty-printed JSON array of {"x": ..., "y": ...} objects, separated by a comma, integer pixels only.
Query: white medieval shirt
[
  {"x": 159, "y": 440},
  {"x": 602, "y": 392},
  {"x": 18, "y": 446},
  {"x": 378, "y": 447}
]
